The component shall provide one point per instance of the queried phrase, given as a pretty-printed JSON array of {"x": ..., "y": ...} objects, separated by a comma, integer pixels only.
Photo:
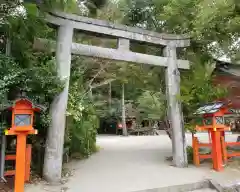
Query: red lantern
[{"x": 22, "y": 125}]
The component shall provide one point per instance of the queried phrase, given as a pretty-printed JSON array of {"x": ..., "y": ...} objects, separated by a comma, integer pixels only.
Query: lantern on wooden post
[
  {"x": 22, "y": 126},
  {"x": 213, "y": 122}
]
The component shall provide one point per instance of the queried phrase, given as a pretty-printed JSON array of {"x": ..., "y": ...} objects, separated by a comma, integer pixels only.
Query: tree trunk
[
  {"x": 8, "y": 47},
  {"x": 110, "y": 96},
  {"x": 124, "y": 126}
]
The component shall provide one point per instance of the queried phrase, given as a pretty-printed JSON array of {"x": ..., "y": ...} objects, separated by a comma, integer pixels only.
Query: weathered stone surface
[
  {"x": 174, "y": 107},
  {"x": 55, "y": 140},
  {"x": 204, "y": 190},
  {"x": 114, "y": 54},
  {"x": 111, "y": 29},
  {"x": 191, "y": 187},
  {"x": 123, "y": 44}
]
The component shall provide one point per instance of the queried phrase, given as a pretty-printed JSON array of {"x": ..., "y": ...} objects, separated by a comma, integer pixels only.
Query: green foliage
[
  {"x": 206, "y": 22},
  {"x": 6, "y": 7},
  {"x": 67, "y": 5},
  {"x": 40, "y": 82},
  {"x": 151, "y": 105},
  {"x": 82, "y": 121},
  {"x": 214, "y": 30},
  {"x": 190, "y": 154},
  {"x": 25, "y": 70},
  {"x": 82, "y": 126},
  {"x": 197, "y": 88},
  {"x": 104, "y": 109},
  {"x": 71, "y": 6},
  {"x": 113, "y": 11},
  {"x": 10, "y": 75},
  {"x": 94, "y": 5}
]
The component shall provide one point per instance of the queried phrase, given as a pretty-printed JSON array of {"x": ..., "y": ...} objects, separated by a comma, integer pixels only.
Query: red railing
[
  {"x": 227, "y": 154},
  {"x": 27, "y": 162},
  {"x": 196, "y": 154}
]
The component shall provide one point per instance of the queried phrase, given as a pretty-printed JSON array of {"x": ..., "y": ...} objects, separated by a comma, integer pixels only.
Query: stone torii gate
[{"x": 65, "y": 46}]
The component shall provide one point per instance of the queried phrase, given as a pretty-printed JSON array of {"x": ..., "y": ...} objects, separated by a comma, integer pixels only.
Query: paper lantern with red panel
[
  {"x": 22, "y": 125},
  {"x": 213, "y": 122}
]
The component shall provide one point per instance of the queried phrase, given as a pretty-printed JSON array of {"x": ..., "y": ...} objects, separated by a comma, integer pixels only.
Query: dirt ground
[
  {"x": 134, "y": 163},
  {"x": 7, "y": 187},
  {"x": 127, "y": 164}
]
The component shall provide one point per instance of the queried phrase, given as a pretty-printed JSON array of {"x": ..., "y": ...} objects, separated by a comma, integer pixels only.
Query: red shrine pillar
[{"x": 216, "y": 150}]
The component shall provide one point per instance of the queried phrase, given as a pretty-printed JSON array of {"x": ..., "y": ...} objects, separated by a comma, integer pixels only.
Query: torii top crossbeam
[
  {"x": 123, "y": 33},
  {"x": 117, "y": 30}
]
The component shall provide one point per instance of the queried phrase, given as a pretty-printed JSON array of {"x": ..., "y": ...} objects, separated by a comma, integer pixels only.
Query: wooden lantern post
[
  {"x": 213, "y": 123},
  {"x": 22, "y": 126},
  {"x": 216, "y": 132}
]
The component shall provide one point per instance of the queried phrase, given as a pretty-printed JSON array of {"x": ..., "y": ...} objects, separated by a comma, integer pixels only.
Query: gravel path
[{"x": 127, "y": 164}]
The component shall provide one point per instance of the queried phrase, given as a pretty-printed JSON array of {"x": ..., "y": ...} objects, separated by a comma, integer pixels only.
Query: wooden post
[
  {"x": 224, "y": 149},
  {"x": 174, "y": 107},
  {"x": 20, "y": 163},
  {"x": 110, "y": 96},
  {"x": 217, "y": 150},
  {"x": 196, "y": 159},
  {"x": 52, "y": 170},
  {"x": 8, "y": 47},
  {"x": 28, "y": 163},
  {"x": 3, "y": 154},
  {"x": 209, "y": 137}
]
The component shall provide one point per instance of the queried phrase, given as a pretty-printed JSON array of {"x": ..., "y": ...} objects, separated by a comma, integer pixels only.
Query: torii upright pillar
[
  {"x": 172, "y": 77},
  {"x": 54, "y": 144}
]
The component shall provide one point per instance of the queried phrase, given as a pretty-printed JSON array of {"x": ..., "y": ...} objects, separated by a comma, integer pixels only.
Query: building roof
[
  {"x": 228, "y": 67},
  {"x": 209, "y": 108},
  {"x": 9, "y": 105}
]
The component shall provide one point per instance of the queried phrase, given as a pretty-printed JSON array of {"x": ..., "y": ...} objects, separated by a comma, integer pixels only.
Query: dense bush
[
  {"x": 82, "y": 121},
  {"x": 82, "y": 127},
  {"x": 190, "y": 154}
]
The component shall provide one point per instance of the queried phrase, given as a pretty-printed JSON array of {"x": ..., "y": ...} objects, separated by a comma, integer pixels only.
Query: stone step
[{"x": 204, "y": 190}]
